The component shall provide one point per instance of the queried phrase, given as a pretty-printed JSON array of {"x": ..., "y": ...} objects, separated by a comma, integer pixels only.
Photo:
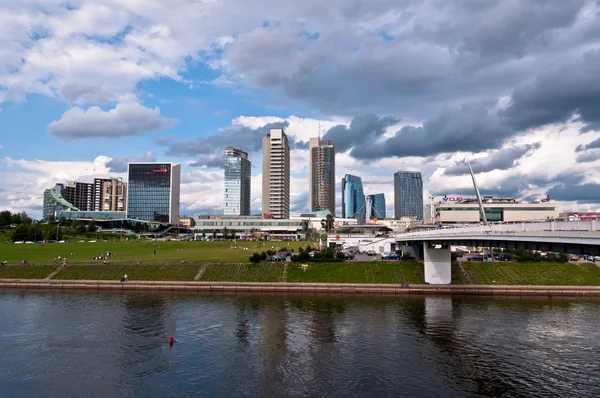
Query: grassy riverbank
[{"x": 550, "y": 274}]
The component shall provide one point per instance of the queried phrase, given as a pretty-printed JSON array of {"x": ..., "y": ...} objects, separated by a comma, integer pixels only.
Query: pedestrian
[
  {"x": 122, "y": 278},
  {"x": 154, "y": 252},
  {"x": 125, "y": 277}
]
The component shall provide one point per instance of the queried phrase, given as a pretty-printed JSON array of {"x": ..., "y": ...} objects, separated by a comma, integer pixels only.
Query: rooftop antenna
[
  {"x": 483, "y": 217},
  {"x": 319, "y": 132}
]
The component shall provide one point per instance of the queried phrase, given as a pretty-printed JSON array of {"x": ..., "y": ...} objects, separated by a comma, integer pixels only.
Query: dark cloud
[
  {"x": 502, "y": 159},
  {"x": 363, "y": 129},
  {"x": 592, "y": 145},
  {"x": 555, "y": 96},
  {"x": 588, "y": 156},
  {"x": 463, "y": 129},
  {"x": 119, "y": 165},
  {"x": 574, "y": 190},
  {"x": 241, "y": 137}
]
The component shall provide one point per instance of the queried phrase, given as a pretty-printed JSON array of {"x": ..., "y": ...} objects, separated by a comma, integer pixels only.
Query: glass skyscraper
[
  {"x": 408, "y": 194},
  {"x": 376, "y": 206},
  {"x": 153, "y": 192},
  {"x": 237, "y": 183},
  {"x": 353, "y": 198},
  {"x": 321, "y": 177}
]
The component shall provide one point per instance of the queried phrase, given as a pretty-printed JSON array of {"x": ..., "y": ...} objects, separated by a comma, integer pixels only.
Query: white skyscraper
[{"x": 276, "y": 175}]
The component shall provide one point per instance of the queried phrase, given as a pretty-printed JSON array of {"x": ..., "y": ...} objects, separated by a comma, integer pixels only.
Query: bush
[
  {"x": 255, "y": 258},
  {"x": 270, "y": 252},
  {"x": 407, "y": 257},
  {"x": 263, "y": 256}
]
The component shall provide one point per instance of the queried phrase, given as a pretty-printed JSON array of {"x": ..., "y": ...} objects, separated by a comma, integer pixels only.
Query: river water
[{"x": 106, "y": 344}]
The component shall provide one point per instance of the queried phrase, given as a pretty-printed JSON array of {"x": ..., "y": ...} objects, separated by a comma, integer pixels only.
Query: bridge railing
[{"x": 557, "y": 224}]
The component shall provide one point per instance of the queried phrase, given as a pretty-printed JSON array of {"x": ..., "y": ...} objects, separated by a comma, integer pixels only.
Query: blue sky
[{"x": 86, "y": 86}]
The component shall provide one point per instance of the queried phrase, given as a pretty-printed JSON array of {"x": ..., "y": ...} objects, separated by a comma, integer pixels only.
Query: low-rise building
[
  {"x": 249, "y": 227},
  {"x": 466, "y": 210}
]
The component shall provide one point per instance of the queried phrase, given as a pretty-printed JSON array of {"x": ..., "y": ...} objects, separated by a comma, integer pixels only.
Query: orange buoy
[{"x": 171, "y": 340}]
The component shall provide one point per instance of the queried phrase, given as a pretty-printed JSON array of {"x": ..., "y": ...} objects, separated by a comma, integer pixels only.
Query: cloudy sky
[{"x": 514, "y": 86}]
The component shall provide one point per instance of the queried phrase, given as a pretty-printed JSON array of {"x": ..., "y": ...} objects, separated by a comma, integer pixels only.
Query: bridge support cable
[{"x": 483, "y": 217}]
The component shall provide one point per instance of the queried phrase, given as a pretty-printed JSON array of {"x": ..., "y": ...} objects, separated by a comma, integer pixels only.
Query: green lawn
[
  {"x": 133, "y": 252},
  {"x": 351, "y": 272},
  {"x": 26, "y": 271}
]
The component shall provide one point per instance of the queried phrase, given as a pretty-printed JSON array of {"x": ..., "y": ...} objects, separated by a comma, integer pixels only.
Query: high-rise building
[
  {"x": 237, "y": 183},
  {"x": 276, "y": 175},
  {"x": 353, "y": 198},
  {"x": 79, "y": 194},
  {"x": 110, "y": 194},
  {"x": 408, "y": 194},
  {"x": 376, "y": 206},
  {"x": 153, "y": 191},
  {"x": 54, "y": 202},
  {"x": 321, "y": 189}
]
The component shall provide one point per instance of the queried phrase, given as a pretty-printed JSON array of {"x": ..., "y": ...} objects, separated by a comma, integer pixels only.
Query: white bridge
[{"x": 558, "y": 235}]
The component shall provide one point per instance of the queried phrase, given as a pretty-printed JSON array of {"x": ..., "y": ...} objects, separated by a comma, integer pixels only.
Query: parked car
[
  {"x": 371, "y": 252},
  {"x": 348, "y": 255},
  {"x": 478, "y": 257},
  {"x": 275, "y": 258},
  {"x": 390, "y": 256},
  {"x": 314, "y": 253},
  {"x": 504, "y": 257},
  {"x": 573, "y": 257}
]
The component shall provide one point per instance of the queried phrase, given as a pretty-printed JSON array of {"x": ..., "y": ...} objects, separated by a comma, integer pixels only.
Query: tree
[
  {"x": 25, "y": 219},
  {"x": 21, "y": 233},
  {"x": 329, "y": 222},
  {"x": 15, "y": 219},
  {"x": 5, "y": 218},
  {"x": 92, "y": 226}
]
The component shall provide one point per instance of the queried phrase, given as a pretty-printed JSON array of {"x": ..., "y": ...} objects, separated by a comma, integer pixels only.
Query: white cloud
[{"x": 124, "y": 120}]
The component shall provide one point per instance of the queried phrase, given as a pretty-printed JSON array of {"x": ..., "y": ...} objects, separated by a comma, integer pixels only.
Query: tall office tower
[
  {"x": 376, "y": 206},
  {"x": 408, "y": 194},
  {"x": 79, "y": 194},
  {"x": 276, "y": 175},
  {"x": 110, "y": 194},
  {"x": 153, "y": 191},
  {"x": 353, "y": 198},
  {"x": 321, "y": 188},
  {"x": 237, "y": 183}
]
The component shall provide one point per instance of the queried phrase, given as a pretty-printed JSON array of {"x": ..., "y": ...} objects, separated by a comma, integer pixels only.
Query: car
[
  {"x": 573, "y": 257},
  {"x": 314, "y": 253},
  {"x": 478, "y": 257},
  {"x": 390, "y": 256},
  {"x": 371, "y": 252},
  {"x": 504, "y": 257},
  {"x": 348, "y": 255}
]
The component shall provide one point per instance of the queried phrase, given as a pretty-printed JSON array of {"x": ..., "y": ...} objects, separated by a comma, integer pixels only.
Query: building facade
[
  {"x": 375, "y": 206},
  {"x": 353, "y": 198},
  {"x": 465, "y": 211},
  {"x": 248, "y": 227},
  {"x": 321, "y": 188},
  {"x": 54, "y": 202},
  {"x": 110, "y": 194},
  {"x": 153, "y": 192},
  {"x": 408, "y": 194},
  {"x": 79, "y": 194},
  {"x": 237, "y": 183},
  {"x": 276, "y": 175}
]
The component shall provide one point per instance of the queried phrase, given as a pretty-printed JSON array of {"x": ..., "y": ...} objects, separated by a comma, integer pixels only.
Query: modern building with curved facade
[
  {"x": 55, "y": 202},
  {"x": 353, "y": 198}
]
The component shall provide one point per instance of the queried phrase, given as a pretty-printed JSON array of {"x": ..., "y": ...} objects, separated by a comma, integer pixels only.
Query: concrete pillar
[{"x": 437, "y": 265}]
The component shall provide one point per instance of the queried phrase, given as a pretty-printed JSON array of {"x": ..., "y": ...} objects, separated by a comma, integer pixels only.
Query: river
[{"x": 105, "y": 344}]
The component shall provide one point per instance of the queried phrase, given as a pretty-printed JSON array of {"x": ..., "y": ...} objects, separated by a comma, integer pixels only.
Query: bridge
[{"x": 557, "y": 235}]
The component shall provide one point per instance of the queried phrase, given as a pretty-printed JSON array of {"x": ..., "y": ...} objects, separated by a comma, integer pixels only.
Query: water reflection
[{"x": 105, "y": 345}]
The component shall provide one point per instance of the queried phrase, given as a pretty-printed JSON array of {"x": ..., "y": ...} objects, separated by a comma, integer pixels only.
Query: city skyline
[{"x": 92, "y": 86}]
